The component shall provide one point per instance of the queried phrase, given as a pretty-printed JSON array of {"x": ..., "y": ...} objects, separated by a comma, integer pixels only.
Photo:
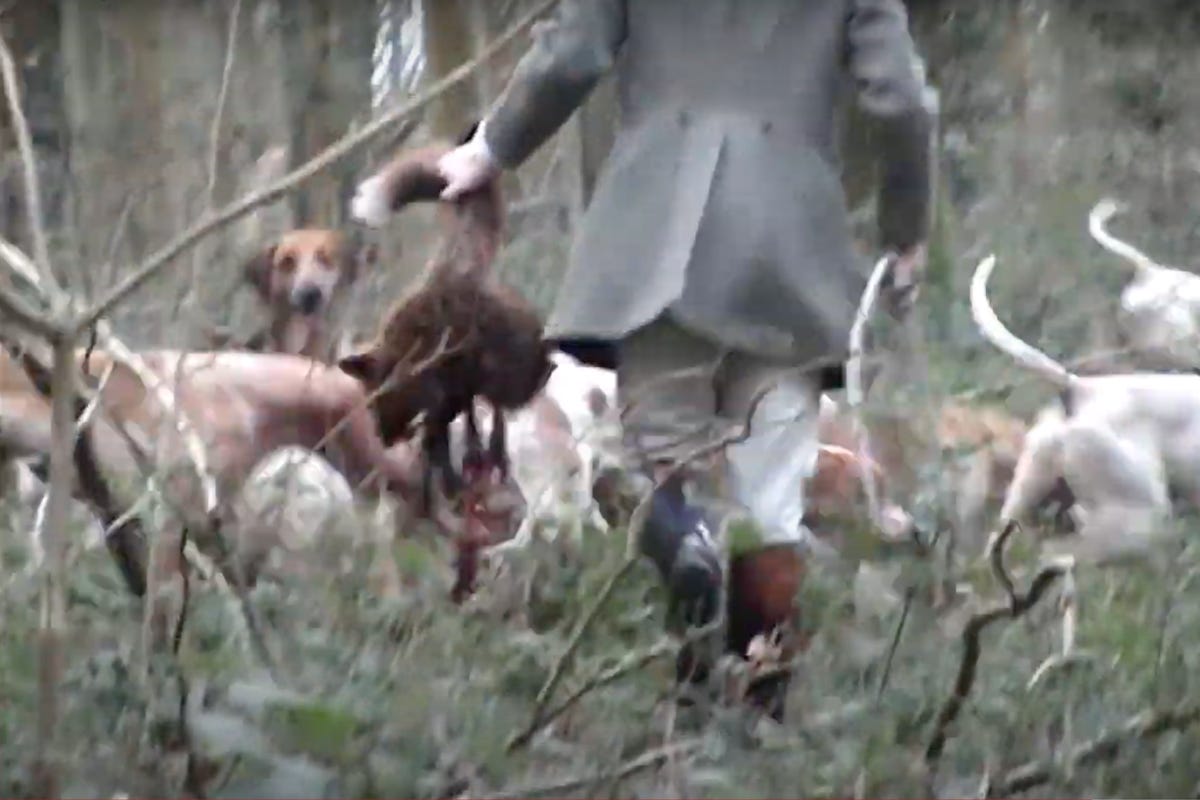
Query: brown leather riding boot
[{"x": 763, "y": 585}]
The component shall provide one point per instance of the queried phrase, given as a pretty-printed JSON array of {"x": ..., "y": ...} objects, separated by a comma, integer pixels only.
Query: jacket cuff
[{"x": 480, "y": 146}]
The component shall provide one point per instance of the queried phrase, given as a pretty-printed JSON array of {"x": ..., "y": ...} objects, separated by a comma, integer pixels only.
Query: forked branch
[{"x": 1016, "y": 604}]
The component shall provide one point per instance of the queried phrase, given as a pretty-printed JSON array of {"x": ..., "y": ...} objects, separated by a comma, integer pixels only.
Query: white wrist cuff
[{"x": 479, "y": 146}]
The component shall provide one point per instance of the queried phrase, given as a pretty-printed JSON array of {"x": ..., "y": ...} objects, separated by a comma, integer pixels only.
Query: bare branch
[
  {"x": 539, "y": 717},
  {"x": 344, "y": 147},
  {"x": 995, "y": 553},
  {"x": 630, "y": 663},
  {"x": 1140, "y": 727},
  {"x": 33, "y": 195},
  {"x": 26, "y": 316},
  {"x": 52, "y": 596},
  {"x": 11, "y": 255},
  {"x": 123, "y": 536},
  {"x": 633, "y": 534},
  {"x": 909, "y": 595},
  {"x": 647, "y": 760},
  {"x": 1069, "y": 603},
  {"x": 214, "y": 136},
  {"x": 1015, "y": 605}
]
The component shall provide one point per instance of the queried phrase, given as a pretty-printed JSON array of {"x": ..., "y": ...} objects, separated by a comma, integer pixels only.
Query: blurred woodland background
[{"x": 147, "y": 114}]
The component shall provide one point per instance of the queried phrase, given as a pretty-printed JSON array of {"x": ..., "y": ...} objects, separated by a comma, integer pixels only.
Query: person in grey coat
[{"x": 714, "y": 266}]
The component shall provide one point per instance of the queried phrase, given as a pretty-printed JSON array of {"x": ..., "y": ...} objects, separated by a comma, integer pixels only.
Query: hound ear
[
  {"x": 256, "y": 271},
  {"x": 362, "y": 366}
]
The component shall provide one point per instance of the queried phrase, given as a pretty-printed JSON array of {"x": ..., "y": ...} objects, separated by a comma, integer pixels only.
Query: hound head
[{"x": 305, "y": 270}]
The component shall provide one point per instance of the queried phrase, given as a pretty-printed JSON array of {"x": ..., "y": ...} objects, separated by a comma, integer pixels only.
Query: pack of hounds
[{"x": 461, "y": 411}]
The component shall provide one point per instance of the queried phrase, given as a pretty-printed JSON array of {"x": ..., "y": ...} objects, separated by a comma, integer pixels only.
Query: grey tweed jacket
[{"x": 721, "y": 200}]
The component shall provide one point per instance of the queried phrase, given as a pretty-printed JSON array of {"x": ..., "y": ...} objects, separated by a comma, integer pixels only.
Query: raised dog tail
[
  {"x": 1101, "y": 213},
  {"x": 995, "y": 332},
  {"x": 854, "y": 379}
]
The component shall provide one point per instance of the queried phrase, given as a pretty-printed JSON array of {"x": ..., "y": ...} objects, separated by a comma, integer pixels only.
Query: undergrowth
[{"x": 412, "y": 696}]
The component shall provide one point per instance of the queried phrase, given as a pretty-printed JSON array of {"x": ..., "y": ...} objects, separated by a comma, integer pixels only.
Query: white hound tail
[
  {"x": 994, "y": 331},
  {"x": 1103, "y": 211},
  {"x": 854, "y": 382}
]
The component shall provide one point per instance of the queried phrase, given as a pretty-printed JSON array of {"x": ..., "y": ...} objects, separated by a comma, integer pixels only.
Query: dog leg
[
  {"x": 474, "y": 463},
  {"x": 1121, "y": 486},
  {"x": 1116, "y": 533},
  {"x": 972, "y": 490},
  {"x": 498, "y": 443},
  {"x": 165, "y": 592},
  {"x": 1038, "y": 472},
  {"x": 435, "y": 444},
  {"x": 442, "y": 461}
]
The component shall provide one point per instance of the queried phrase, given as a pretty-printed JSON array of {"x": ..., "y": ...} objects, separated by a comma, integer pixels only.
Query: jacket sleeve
[
  {"x": 570, "y": 53},
  {"x": 883, "y": 61}
]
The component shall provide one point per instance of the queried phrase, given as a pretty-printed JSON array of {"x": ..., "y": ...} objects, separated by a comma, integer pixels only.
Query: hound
[
  {"x": 1160, "y": 307},
  {"x": 302, "y": 279},
  {"x": 242, "y": 407},
  {"x": 1119, "y": 443}
]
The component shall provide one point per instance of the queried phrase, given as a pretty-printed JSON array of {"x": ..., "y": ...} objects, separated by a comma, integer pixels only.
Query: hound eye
[{"x": 287, "y": 264}]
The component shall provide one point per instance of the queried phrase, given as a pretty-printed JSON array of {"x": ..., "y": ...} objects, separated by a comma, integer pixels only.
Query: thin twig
[
  {"x": 995, "y": 552},
  {"x": 1014, "y": 606},
  {"x": 11, "y": 255},
  {"x": 33, "y": 194},
  {"x": 647, "y": 760},
  {"x": 36, "y": 321},
  {"x": 122, "y": 541},
  {"x": 214, "y": 134},
  {"x": 1164, "y": 618},
  {"x": 1069, "y": 602},
  {"x": 17, "y": 310},
  {"x": 630, "y": 663},
  {"x": 909, "y": 594},
  {"x": 558, "y": 671},
  {"x": 339, "y": 150},
  {"x": 1141, "y": 726},
  {"x": 633, "y": 534},
  {"x": 108, "y": 270},
  {"x": 40, "y": 276},
  {"x": 52, "y": 596}
]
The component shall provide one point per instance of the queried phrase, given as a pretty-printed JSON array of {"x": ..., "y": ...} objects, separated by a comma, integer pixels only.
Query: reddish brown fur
[
  {"x": 836, "y": 489},
  {"x": 763, "y": 586},
  {"x": 484, "y": 338},
  {"x": 241, "y": 405},
  {"x": 458, "y": 335},
  {"x": 896, "y": 447}
]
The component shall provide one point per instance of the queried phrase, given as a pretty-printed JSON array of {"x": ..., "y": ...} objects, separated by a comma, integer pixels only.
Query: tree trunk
[
  {"x": 449, "y": 42},
  {"x": 141, "y": 85},
  {"x": 328, "y": 47}
]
